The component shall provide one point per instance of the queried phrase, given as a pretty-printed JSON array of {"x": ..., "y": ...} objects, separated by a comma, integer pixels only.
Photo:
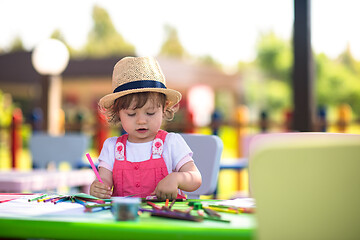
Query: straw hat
[{"x": 138, "y": 74}]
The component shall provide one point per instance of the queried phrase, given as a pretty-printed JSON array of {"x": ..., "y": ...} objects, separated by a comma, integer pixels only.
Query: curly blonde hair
[{"x": 140, "y": 98}]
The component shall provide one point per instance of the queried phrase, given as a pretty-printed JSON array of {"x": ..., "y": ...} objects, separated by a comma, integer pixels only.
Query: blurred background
[{"x": 232, "y": 60}]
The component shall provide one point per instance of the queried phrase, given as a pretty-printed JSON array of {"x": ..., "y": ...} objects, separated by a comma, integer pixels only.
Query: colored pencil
[{"x": 94, "y": 168}]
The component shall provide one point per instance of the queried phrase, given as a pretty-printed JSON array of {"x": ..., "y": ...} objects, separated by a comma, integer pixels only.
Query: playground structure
[{"x": 15, "y": 132}]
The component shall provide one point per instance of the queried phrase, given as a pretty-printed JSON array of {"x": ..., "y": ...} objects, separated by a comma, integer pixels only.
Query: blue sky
[{"x": 224, "y": 29}]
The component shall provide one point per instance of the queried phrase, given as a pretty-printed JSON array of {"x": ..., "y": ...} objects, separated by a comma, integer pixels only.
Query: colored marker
[
  {"x": 216, "y": 219},
  {"x": 42, "y": 199},
  {"x": 132, "y": 195},
  {"x": 94, "y": 168},
  {"x": 172, "y": 203},
  {"x": 226, "y": 210},
  {"x": 211, "y": 212},
  {"x": 154, "y": 206},
  {"x": 39, "y": 197},
  {"x": 82, "y": 202},
  {"x": 201, "y": 212},
  {"x": 247, "y": 210},
  {"x": 51, "y": 199},
  {"x": 56, "y": 199},
  {"x": 62, "y": 199},
  {"x": 172, "y": 214},
  {"x": 98, "y": 205},
  {"x": 186, "y": 211}
]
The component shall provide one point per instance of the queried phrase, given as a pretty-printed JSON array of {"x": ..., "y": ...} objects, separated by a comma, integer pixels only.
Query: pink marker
[{"x": 94, "y": 168}]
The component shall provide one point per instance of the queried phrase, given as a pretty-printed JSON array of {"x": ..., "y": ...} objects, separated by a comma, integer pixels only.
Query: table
[
  {"x": 42, "y": 180},
  {"x": 101, "y": 225}
]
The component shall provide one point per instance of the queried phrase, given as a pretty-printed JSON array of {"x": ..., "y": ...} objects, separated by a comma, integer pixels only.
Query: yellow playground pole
[{"x": 241, "y": 122}]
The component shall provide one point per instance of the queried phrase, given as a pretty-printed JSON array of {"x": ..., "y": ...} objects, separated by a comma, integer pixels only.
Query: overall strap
[
  {"x": 120, "y": 150},
  {"x": 158, "y": 143}
]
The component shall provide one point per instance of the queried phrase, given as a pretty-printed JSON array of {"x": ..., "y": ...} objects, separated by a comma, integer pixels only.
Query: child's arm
[
  {"x": 188, "y": 179},
  {"x": 102, "y": 190}
]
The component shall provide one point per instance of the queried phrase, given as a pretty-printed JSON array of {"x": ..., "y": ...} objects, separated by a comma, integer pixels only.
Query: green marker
[{"x": 42, "y": 196}]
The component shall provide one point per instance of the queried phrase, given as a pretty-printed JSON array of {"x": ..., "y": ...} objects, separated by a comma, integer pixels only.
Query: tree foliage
[
  {"x": 267, "y": 79},
  {"x": 209, "y": 61},
  {"x": 57, "y": 34},
  {"x": 103, "y": 39},
  {"x": 16, "y": 45},
  {"x": 172, "y": 46},
  {"x": 346, "y": 58},
  {"x": 274, "y": 56},
  {"x": 337, "y": 81}
]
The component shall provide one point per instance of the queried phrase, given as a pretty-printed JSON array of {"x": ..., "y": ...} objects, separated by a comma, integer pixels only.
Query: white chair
[
  {"x": 46, "y": 149},
  {"x": 306, "y": 185},
  {"x": 207, "y": 151}
]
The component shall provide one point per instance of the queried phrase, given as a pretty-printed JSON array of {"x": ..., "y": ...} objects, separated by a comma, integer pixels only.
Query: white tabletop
[{"x": 40, "y": 180}]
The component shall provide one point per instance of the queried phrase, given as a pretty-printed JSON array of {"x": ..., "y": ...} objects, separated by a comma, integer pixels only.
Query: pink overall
[{"x": 139, "y": 178}]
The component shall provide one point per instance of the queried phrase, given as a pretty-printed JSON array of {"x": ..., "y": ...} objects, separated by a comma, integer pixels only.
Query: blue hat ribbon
[{"x": 139, "y": 84}]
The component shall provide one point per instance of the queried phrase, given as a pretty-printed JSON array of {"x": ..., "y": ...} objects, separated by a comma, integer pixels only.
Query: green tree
[
  {"x": 57, "y": 34},
  {"x": 268, "y": 84},
  {"x": 274, "y": 57},
  {"x": 263, "y": 92},
  {"x": 337, "y": 83},
  {"x": 103, "y": 39},
  {"x": 209, "y": 61},
  {"x": 17, "y": 45},
  {"x": 347, "y": 59},
  {"x": 172, "y": 46},
  {"x": 267, "y": 80}
]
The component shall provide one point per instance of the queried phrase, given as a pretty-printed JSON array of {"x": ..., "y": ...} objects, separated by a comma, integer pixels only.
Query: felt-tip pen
[{"x": 37, "y": 198}]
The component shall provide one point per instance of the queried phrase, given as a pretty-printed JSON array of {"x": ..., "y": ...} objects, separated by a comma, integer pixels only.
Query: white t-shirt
[{"x": 176, "y": 152}]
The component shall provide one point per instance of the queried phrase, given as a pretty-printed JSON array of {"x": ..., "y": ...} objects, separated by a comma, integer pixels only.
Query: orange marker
[{"x": 154, "y": 206}]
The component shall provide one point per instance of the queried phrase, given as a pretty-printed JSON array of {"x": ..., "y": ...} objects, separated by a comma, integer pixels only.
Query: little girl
[{"x": 146, "y": 161}]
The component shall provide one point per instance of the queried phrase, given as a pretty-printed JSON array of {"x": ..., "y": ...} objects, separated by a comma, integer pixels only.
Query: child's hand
[
  {"x": 167, "y": 188},
  {"x": 100, "y": 190}
]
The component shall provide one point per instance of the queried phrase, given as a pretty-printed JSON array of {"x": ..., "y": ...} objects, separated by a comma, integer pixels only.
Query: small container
[{"x": 125, "y": 209}]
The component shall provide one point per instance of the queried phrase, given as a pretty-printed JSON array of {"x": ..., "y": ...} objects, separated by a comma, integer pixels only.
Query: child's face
[{"x": 142, "y": 124}]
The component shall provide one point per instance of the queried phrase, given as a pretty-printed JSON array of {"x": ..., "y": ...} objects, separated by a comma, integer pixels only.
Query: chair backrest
[
  {"x": 47, "y": 149},
  {"x": 306, "y": 185},
  {"x": 207, "y": 151}
]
